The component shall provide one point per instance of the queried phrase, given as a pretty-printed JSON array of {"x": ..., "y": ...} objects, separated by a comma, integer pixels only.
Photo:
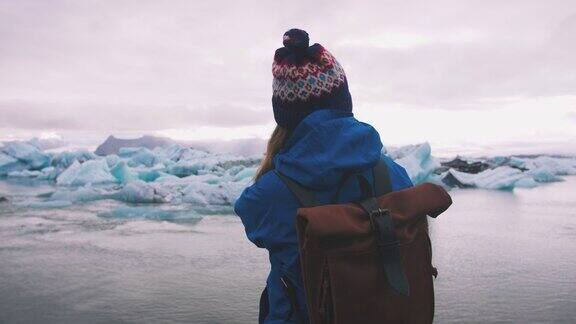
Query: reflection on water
[{"x": 502, "y": 257}]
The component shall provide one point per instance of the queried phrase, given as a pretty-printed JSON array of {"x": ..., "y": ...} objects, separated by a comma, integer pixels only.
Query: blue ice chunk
[
  {"x": 28, "y": 154},
  {"x": 89, "y": 172},
  {"x": 128, "y": 152},
  {"x": 65, "y": 159},
  {"x": 247, "y": 173},
  {"x": 543, "y": 174},
  {"x": 123, "y": 173},
  {"x": 49, "y": 173},
  {"x": 174, "y": 152},
  {"x": 150, "y": 175},
  {"x": 235, "y": 169},
  {"x": 185, "y": 168},
  {"x": 9, "y": 164},
  {"x": 112, "y": 160},
  {"x": 500, "y": 178},
  {"x": 142, "y": 192},
  {"x": 418, "y": 162},
  {"x": 143, "y": 157},
  {"x": 525, "y": 183}
]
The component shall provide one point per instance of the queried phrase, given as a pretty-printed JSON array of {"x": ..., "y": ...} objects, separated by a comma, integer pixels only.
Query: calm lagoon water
[{"x": 502, "y": 257}]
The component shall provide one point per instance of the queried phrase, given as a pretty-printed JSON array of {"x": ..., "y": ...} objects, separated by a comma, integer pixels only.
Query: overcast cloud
[{"x": 145, "y": 66}]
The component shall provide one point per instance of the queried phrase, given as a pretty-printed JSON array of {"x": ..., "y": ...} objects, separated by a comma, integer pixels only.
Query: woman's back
[{"x": 326, "y": 146}]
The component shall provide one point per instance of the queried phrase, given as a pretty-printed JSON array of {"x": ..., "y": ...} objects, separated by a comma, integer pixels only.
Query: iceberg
[
  {"x": 128, "y": 152},
  {"x": 502, "y": 178},
  {"x": 191, "y": 162},
  {"x": 186, "y": 168},
  {"x": 28, "y": 154},
  {"x": 174, "y": 174},
  {"x": 143, "y": 157},
  {"x": 224, "y": 193},
  {"x": 9, "y": 164},
  {"x": 173, "y": 152},
  {"x": 89, "y": 172},
  {"x": 246, "y": 173},
  {"x": 142, "y": 192},
  {"x": 543, "y": 174},
  {"x": 554, "y": 165},
  {"x": 49, "y": 173},
  {"x": 417, "y": 160},
  {"x": 510, "y": 172},
  {"x": 112, "y": 160},
  {"x": 192, "y": 196},
  {"x": 65, "y": 159},
  {"x": 466, "y": 166},
  {"x": 525, "y": 182},
  {"x": 123, "y": 173},
  {"x": 80, "y": 194},
  {"x": 150, "y": 175}
]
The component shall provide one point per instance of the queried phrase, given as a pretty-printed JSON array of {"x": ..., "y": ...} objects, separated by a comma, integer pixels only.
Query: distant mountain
[
  {"x": 243, "y": 147},
  {"x": 112, "y": 144}
]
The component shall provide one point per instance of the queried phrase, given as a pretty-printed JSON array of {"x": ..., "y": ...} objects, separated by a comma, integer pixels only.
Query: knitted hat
[{"x": 306, "y": 79}]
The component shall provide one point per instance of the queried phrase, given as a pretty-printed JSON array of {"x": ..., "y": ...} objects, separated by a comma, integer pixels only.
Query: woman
[{"x": 317, "y": 142}]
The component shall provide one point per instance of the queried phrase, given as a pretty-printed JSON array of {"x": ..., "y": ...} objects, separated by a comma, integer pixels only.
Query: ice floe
[
  {"x": 174, "y": 174},
  {"x": 89, "y": 172}
]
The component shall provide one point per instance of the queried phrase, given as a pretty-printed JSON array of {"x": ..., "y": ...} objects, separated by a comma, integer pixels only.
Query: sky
[{"x": 485, "y": 76}]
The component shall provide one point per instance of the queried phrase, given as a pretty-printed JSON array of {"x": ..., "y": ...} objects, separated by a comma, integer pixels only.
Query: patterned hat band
[{"x": 311, "y": 80}]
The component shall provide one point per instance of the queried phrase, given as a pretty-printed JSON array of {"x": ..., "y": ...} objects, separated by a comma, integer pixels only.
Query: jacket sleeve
[
  {"x": 253, "y": 209},
  {"x": 398, "y": 175},
  {"x": 268, "y": 211}
]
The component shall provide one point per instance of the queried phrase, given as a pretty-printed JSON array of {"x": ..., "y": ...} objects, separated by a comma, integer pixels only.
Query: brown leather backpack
[{"x": 370, "y": 261}]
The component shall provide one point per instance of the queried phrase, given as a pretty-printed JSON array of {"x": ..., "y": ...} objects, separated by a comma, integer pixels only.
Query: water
[{"x": 502, "y": 257}]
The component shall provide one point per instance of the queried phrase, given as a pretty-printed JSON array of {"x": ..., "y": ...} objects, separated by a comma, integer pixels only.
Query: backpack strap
[
  {"x": 383, "y": 225},
  {"x": 382, "y": 183},
  {"x": 388, "y": 245},
  {"x": 343, "y": 181},
  {"x": 264, "y": 307},
  {"x": 305, "y": 196}
]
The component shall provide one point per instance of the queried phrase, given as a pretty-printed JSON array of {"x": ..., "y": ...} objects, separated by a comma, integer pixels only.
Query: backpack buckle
[{"x": 382, "y": 224}]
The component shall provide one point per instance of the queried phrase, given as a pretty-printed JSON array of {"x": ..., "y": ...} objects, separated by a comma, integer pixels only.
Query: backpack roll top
[{"x": 333, "y": 227}]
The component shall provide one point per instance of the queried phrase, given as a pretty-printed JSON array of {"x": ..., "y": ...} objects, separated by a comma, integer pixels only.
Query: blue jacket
[{"x": 324, "y": 146}]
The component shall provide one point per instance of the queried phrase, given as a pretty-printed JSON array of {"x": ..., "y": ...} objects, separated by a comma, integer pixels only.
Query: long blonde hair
[{"x": 276, "y": 142}]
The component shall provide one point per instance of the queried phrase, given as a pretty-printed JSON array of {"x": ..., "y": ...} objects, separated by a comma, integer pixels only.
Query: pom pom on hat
[{"x": 296, "y": 39}]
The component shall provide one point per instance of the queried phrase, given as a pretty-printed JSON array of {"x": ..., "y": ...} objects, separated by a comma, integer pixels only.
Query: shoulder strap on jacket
[{"x": 305, "y": 196}]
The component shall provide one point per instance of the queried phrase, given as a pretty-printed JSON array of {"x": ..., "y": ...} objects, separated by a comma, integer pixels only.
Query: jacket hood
[{"x": 325, "y": 145}]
